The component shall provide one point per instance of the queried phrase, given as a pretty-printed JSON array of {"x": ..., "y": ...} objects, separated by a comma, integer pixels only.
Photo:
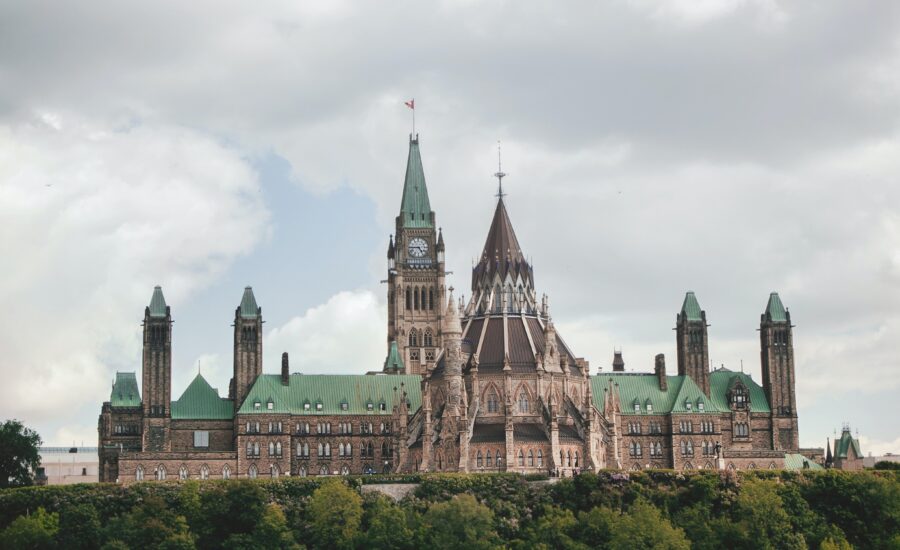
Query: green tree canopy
[
  {"x": 460, "y": 523},
  {"x": 335, "y": 514},
  {"x": 35, "y": 532},
  {"x": 79, "y": 527},
  {"x": 19, "y": 457}
]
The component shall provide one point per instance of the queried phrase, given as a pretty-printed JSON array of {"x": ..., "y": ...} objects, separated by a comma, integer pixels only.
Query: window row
[
  {"x": 344, "y": 405},
  {"x": 741, "y": 429},
  {"x": 636, "y": 451},
  {"x": 253, "y": 448},
  {"x": 419, "y": 298},
  {"x": 125, "y": 429},
  {"x": 161, "y": 474},
  {"x": 424, "y": 338}
]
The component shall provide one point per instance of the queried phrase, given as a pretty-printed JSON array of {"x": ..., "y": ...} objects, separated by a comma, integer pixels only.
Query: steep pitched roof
[
  {"x": 125, "y": 391},
  {"x": 691, "y": 308},
  {"x": 643, "y": 389},
  {"x": 794, "y": 461},
  {"x": 843, "y": 445},
  {"x": 200, "y": 401},
  {"x": 415, "y": 209},
  {"x": 393, "y": 362},
  {"x": 720, "y": 381},
  {"x": 332, "y": 391},
  {"x": 775, "y": 309},
  {"x": 157, "y": 303},
  {"x": 249, "y": 309},
  {"x": 501, "y": 253}
]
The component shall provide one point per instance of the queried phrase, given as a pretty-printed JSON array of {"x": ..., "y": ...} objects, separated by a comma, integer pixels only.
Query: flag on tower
[{"x": 411, "y": 104}]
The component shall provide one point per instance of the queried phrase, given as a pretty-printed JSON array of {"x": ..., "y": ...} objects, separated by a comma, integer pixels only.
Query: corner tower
[
  {"x": 156, "y": 374},
  {"x": 247, "y": 346},
  {"x": 692, "y": 341},
  {"x": 415, "y": 273},
  {"x": 776, "y": 342}
]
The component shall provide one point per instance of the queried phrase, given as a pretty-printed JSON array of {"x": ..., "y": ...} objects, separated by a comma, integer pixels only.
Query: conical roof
[
  {"x": 502, "y": 253},
  {"x": 415, "y": 209},
  {"x": 157, "y": 303},
  {"x": 690, "y": 308},
  {"x": 249, "y": 309},
  {"x": 775, "y": 309}
]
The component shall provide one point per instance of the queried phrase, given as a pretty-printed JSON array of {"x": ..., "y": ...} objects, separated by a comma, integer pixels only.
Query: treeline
[{"x": 657, "y": 509}]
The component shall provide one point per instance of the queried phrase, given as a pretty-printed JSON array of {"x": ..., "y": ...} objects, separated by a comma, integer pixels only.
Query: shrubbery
[{"x": 655, "y": 509}]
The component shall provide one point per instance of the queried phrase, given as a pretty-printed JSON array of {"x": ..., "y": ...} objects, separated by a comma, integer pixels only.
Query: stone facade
[{"x": 477, "y": 385}]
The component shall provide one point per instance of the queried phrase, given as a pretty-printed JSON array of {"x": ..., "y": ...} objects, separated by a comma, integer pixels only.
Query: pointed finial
[{"x": 500, "y": 174}]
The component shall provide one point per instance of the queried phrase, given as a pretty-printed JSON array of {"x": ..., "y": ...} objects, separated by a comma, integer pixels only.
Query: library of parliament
[{"x": 482, "y": 385}]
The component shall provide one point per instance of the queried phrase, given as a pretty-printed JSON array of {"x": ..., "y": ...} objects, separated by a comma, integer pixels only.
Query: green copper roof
[
  {"x": 337, "y": 393},
  {"x": 720, "y": 381},
  {"x": 157, "y": 303},
  {"x": 843, "y": 445},
  {"x": 643, "y": 389},
  {"x": 200, "y": 401},
  {"x": 415, "y": 210},
  {"x": 249, "y": 309},
  {"x": 799, "y": 462},
  {"x": 393, "y": 362},
  {"x": 691, "y": 308},
  {"x": 125, "y": 391},
  {"x": 775, "y": 309}
]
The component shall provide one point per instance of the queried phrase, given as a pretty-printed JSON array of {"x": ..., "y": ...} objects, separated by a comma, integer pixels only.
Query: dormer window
[
  {"x": 687, "y": 405},
  {"x": 345, "y": 406},
  {"x": 637, "y": 408},
  {"x": 270, "y": 405},
  {"x": 318, "y": 405},
  {"x": 700, "y": 406},
  {"x": 649, "y": 407},
  {"x": 382, "y": 407},
  {"x": 370, "y": 406},
  {"x": 256, "y": 405}
]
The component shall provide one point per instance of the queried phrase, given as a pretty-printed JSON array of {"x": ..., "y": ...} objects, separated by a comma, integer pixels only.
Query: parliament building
[{"x": 480, "y": 385}]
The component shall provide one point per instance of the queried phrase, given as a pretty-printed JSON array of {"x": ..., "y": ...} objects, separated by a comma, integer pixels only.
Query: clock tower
[{"x": 415, "y": 280}]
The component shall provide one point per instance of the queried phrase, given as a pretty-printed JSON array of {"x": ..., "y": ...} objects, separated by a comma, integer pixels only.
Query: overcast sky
[{"x": 730, "y": 147}]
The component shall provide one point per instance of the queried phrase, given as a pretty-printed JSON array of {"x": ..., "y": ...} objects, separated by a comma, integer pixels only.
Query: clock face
[{"x": 417, "y": 247}]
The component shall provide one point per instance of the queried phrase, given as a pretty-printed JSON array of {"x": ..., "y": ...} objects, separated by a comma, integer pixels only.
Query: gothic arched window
[
  {"x": 408, "y": 298},
  {"x": 323, "y": 471},
  {"x": 160, "y": 473},
  {"x": 479, "y": 459},
  {"x": 183, "y": 472},
  {"x": 540, "y": 458},
  {"x": 489, "y": 459},
  {"x": 253, "y": 471},
  {"x": 493, "y": 402},
  {"x": 521, "y": 458},
  {"x": 530, "y": 457},
  {"x": 416, "y": 298},
  {"x": 523, "y": 402},
  {"x": 139, "y": 474},
  {"x": 204, "y": 472},
  {"x": 428, "y": 338},
  {"x": 497, "y": 456},
  {"x": 226, "y": 472},
  {"x": 569, "y": 458},
  {"x": 413, "y": 338},
  {"x": 431, "y": 298},
  {"x": 424, "y": 299}
]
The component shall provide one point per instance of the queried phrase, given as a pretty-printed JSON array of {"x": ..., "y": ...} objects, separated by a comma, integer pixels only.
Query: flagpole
[{"x": 414, "y": 116}]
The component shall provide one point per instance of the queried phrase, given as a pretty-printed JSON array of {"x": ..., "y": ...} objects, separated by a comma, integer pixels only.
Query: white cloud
[
  {"x": 93, "y": 216},
  {"x": 345, "y": 335},
  {"x": 878, "y": 447}
]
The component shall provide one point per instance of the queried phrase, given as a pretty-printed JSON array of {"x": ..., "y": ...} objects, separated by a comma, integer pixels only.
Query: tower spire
[{"x": 500, "y": 174}]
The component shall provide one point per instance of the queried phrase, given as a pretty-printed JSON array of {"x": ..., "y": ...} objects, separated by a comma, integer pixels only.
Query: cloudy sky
[{"x": 730, "y": 147}]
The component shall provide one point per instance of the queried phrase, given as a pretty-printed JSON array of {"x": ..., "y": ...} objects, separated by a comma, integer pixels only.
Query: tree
[
  {"x": 335, "y": 513},
  {"x": 225, "y": 510},
  {"x": 19, "y": 457},
  {"x": 79, "y": 527},
  {"x": 385, "y": 524},
  {"x": 151, "y": 525},
  {"x": 645, "y": 527},
  {"x": 760, "y": 516},
  {"x": 34, "y": 532},
  {"x": 460, "y": 523},
  {"x": 273, "y": 531},
  {"x": 552, "y": 529}
]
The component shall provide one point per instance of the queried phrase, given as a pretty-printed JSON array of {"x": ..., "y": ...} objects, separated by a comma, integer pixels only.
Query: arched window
[
  {"x": 690, "y": 448},
  {"x": 341, "y": 449},
  {"x": 226, "y": 472},
  {"x": 204, "y": 472},
  {"x": 256, "y": 449},
  {"x": 328, "y": 449},
  {"x": 345, "y": 470},
  {"x": 540, "y": 457},
  {"x": 160, "y": 473},
  {"x": 576, "y": 456},
  {"x": 416, "y": 298},
  {"x": 413, "y": 338},
  {"x": 635, "y": 467},
  {"x": 440, "y": 462},
  {"x": 562, "y": 458},
  {"x": 349, "y": 449},
  {"x": 569, "y": 458},
  {"x": 430, "y": 298},
  {"x": 278, "y": 448},
  {"x": 479, "y": 459},
  {"x": 321, "y": 449},
  {"x": 385, "y": 450},
  {"x": 424, "y": 299},
  {"x": 493, "y": 402},
  {"x": 274, "y": 471},
  {"x": 183, "y": 472},
  {"x": 323, "y": 471},
  {"x": 428, "y": 338},
  {"x": 498, "y": 460},
  {"x": 139, "y": 474},
  {"x": 408, "y": 298},
  {"x": 271, "y": 448},
  {"x": 530, "y": 457},
  {"x": 521, "y": 458},
  {"x": 683, "y": 448},
  {"x": 253, "y": 471},
  {"x": 523, "y": 402},
  {"x": 489, "y": 459},
  {"x": 302, "y": 471},
  {"x": 688, "y": 466}
]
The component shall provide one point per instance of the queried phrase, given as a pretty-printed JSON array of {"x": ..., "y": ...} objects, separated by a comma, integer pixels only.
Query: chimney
[
  {"x": 285, "y": 371},
  {"x": 660, "y": 370},
  {"x": 618, "y": 363}
]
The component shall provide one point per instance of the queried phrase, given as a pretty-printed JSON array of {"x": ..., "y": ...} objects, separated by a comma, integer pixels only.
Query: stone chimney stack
[
  {"x": 660, "y": 370},
  {"x": 618, "y": 363},
  {"x": 285, "y": 370}
]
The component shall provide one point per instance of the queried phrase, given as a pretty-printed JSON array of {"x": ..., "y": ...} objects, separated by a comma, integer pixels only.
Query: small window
[
  {"x": 306, "y": 406},
  {"x": 369, "y": 406},
  {"x": 344, "y": 406},
  {"x": 700, "y": 405},
  {"x": 382, "y": 407},
  {"x": 318, "y": 406},
  {"x": 270, "y": 405},
  {"x": 687, "y": 405},
  {"x": 201, "y": 438},
  {"x": 256, "y": 405},
  {"x": 637, "y": 407}
]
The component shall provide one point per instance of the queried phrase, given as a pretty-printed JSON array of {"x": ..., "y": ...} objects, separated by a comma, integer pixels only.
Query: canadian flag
[{"x": 411, "y": 104}]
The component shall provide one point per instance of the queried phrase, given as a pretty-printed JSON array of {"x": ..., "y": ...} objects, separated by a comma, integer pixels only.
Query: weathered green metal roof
[
  {"x": 691, "y": 308},
  {"x": 843, "y": 445},
  {"x": 393, "y": 362},
  {"x": 644, "y": 388},
  {"x": 775, "y": 309},
  {"x": 249, "y": 309},
  {"x": 125, "y": 391},
  {"x": 332, "y": 391},
  {"x": 415, "y": 210},
  {"x": 799, "y": 462},
  {"x": 200, "y": 401},
  {"x": 157, "y": 303},
  {"x": 720, "y": 381}
]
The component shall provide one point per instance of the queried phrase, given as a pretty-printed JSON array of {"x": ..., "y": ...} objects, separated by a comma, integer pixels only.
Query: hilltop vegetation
[{"x": 659, "y": 509}]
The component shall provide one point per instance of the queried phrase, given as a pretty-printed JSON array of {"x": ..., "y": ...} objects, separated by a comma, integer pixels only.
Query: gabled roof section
[
  {"x": 332, "y": 390},
  {"x": 125, "y": 391},
  {"x": 793, "y": 461},
  {"x": 393, "y": 362},
  {"x": 690, "y": 308},
  {"x": 843, "y": 445},
  {"x": 643, "y": 389},
  {"x": 721, "y": 380},
  {"x": 415, "y": 209},
  {"x": 157, "y": 303},
  {"x": 502, "y": 254},
  {"x": 200, "y": 401},
  {"x": 775, "y": 311},
  {"x": 249, "y": 309}
]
